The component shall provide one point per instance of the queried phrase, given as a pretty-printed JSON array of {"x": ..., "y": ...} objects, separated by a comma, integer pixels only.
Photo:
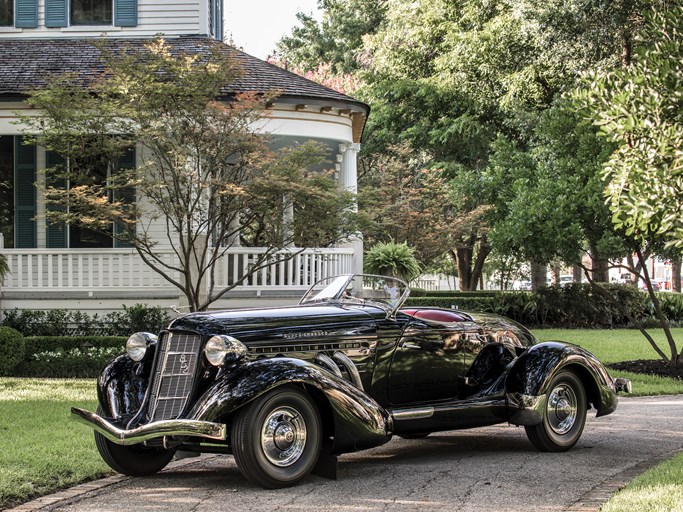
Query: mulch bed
[{"x": 650, "y": 366}]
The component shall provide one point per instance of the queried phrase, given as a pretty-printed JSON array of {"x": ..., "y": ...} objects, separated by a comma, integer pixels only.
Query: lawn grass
[
  {"x": 41, "y": 450},
  {"x": 614, "y": 345},
  {"x": 657, "y": 490}
]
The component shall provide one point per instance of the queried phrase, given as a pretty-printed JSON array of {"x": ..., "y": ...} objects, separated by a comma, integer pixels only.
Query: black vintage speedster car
[{"x": 287, "y": 389}]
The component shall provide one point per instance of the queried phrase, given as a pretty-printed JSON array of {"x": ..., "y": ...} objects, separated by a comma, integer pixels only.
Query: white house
[{"x": 70, "y": 269}]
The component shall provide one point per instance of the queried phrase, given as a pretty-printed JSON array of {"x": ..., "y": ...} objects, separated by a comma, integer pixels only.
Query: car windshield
[{"x": 386, "y": 292}]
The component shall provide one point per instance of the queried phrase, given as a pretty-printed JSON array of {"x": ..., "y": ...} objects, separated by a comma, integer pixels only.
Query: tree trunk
[
  {"x": 577, "y": 273},
  {"x": 555, "y": 271},
  {"x": 469, "y": 272},
  {"x": 539, "y": 272},
  {"x": 600, "y": 265},
  {"x": 676, "y": 275}
]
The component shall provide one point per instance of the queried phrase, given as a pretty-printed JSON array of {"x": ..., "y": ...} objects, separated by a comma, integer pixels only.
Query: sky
[{"x": 256, "y": 25}]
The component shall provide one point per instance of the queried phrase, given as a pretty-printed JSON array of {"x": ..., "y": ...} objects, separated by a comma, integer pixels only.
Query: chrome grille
[{"x": 176, "y": 365}]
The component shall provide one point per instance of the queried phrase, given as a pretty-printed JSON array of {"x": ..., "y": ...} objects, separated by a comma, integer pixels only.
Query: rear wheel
[
  {"x": 415, "y": 435},
  {"x": 132, "y": 460},
  {"x": 564, "y": 415},
  {"x": 276, "y": 440}
]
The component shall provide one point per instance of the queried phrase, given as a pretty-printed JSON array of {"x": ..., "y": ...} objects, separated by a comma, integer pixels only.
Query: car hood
[{"x": 280, "y": 321}]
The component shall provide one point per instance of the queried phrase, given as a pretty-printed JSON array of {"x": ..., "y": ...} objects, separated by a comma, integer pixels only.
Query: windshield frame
[{"x": 337, "y": 292}]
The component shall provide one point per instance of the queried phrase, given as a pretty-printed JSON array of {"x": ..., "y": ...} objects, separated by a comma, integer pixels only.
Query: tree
[
  {"x": 206, "y": 181},
  {"x": 639, "y": 109},
  {"x": 337, "y": 40}
]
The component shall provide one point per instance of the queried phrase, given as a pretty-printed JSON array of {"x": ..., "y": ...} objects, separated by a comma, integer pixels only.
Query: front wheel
[
  {"x": 564, "y": 415},
  {"x": 276, "y": 440},
  {"x": 133, "y": 460}
]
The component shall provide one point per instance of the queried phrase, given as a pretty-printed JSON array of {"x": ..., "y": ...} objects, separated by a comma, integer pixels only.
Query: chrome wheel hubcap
[
  {"x": 283, "y": 436},
  {"x": 562, "y": 409}
]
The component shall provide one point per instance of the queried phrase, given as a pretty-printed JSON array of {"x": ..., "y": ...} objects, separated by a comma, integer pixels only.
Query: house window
[
  {"x": 7, "y": 189},
  {"x": 6, "y": 13},
  {"x": 91, "y": 12}
]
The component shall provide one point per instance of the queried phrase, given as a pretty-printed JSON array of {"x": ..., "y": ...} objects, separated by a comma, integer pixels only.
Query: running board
[{"x": 413, "y": 413}]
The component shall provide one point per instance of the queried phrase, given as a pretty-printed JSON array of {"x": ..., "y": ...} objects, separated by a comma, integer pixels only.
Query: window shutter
[
  {"x": 55, "y": 232},
  {"x": 25, "y": 194},
  {"x": 126, "y": 161},
  {"x": 26, "y": 14},
  {"x": 126, "y": 13},
  {"x": 56, "y": 13}
]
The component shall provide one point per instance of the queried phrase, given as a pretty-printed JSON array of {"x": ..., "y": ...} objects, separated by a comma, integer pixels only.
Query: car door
[{"x": 427, "y": 365}]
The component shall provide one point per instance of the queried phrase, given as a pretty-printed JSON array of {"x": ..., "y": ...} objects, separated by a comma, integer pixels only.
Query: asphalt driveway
[{"x": 485, "y": 469}]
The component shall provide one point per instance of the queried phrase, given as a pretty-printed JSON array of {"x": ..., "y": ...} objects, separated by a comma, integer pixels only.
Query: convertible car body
[{"x": 287, "y": 389}]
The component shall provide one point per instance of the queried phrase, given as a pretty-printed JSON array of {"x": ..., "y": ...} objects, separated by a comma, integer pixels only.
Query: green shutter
[
  {"x": 56, "y": 13},
  {"x": 25, "y": 194},
  {"x": 126, "y": 13},
  {"x": 26, "y": 14},
  {"x": 55, "y": 232},
  {"x": 126, "y": 161}
]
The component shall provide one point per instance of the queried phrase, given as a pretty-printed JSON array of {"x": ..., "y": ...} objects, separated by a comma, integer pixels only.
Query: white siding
[{"x": 169, "y": 17}]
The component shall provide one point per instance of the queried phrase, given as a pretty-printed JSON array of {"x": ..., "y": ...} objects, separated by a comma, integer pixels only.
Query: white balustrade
[{"x": 123, "y": 269}]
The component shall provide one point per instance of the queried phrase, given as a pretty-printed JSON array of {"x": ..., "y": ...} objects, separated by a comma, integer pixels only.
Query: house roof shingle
[{"x": 26, "y": 65}]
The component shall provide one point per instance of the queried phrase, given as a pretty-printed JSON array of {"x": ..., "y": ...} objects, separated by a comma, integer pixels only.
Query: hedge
[
  {"x": 12, "y": 350},
  {"x": 60, "y": 322},
  {"x": 68, "y": 357},
  {"x": 573, "y": 305}
]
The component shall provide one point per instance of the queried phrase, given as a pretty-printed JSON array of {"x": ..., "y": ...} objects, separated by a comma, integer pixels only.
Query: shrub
[
  {"x": 72, "y": 363},
  {"x": 68, "y": 357},
  {"x": 60, "y": 322},
  {"x": 36, "y": 344},
  {"x": 392, "y": 259},
  {"x": 574, "y": 305},
  {"x": 12, "y": 350}
]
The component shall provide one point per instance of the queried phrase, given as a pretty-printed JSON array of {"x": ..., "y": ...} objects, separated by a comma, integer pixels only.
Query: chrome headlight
[
  {"x": 224, "y": 349},
  {"x": 137, "y": 344}
]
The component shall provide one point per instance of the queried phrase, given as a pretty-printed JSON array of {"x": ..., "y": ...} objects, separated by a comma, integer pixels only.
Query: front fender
[
  {"x": 120, "y": 388},
  {"x": 532, "y": 372},
  {"x": 359, "y": 422}
]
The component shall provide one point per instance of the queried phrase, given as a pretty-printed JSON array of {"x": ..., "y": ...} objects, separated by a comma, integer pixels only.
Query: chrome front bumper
[{"x": 154, "y": 430}]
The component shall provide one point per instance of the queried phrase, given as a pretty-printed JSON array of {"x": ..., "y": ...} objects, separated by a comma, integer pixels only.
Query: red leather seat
[{"x": 437, "y": 315}]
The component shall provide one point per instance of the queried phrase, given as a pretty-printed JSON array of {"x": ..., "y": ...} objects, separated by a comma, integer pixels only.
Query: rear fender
[
  {"x": 359, "y": 422},
  {"x": 532, "y": 372}
]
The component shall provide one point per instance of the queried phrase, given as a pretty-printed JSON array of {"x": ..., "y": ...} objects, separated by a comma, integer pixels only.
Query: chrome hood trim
[{"x": 154, "y": 430}]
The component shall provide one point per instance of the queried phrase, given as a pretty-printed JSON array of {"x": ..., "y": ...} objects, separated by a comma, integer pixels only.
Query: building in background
[{"x": 74, "y": 269}]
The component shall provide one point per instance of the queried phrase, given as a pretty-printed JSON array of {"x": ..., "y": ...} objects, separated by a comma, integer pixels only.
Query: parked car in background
[{"x": 285, "y": 390}]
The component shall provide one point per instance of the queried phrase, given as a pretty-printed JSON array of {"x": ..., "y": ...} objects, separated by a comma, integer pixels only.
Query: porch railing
[{"x": 123, "y": 269}]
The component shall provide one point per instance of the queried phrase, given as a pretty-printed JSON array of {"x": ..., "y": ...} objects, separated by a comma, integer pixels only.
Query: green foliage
[
  {"x": 575, "y": 305},
  {"x": 12, "y": 348},
  {"x": 38, "y": 344},
  {"x": 638, "y": 108},
  {"x": 67, "y": 356},
  {"x": 337, "y": 39},
  {"x": 72, "y": 363},
  {"x": 392, "y": 259},
  {"x": 4, "y": 268},
  {"x": 60, "y": 322},
  {"x": 136, "y": 318}
]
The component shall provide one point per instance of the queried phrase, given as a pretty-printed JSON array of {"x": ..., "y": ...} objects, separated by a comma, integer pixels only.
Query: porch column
[{"x": 348, "y": 180}]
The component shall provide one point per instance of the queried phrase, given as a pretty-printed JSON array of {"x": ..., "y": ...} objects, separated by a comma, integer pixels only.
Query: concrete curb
[
  {"x": 80, "y": 491},
  {"x": 596, "y": 497}
]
